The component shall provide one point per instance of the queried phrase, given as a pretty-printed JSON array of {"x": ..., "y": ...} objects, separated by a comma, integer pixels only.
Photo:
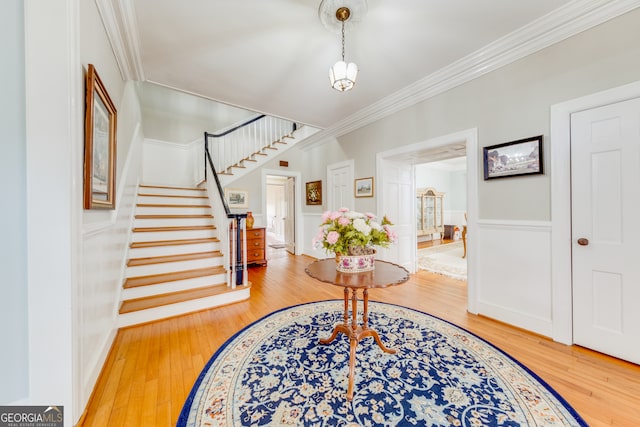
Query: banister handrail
[
  {"x": 226, "y": 132},
  {"x": 247, "y": 141},
  {"x": 238, "y": 264},
  {"x": 207, "y": 158}
]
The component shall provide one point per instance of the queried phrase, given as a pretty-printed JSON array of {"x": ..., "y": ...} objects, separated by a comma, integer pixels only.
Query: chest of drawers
[{"x": 256, "y": 247}]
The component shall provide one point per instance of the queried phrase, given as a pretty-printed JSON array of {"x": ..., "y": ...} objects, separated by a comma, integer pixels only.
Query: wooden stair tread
[
  {"x": 174, "y": 228},
  {"x": 133, "y": 262},
  {"x": 169, "y": 205},
  {"x": 150, "y": 244},
  {"x": 171, "y": 298},
  {"x": 171, "y": 188},
  {"x": 153, "y": 279},
  {"x": 179, "y": 196},
  {"x": 174, "y": 216}
]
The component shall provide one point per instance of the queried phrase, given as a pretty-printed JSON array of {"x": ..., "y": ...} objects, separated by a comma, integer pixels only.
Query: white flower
[
  {"x": 375, "y": 225},
  {"x": 362, "y": 226},
  {"x": 353, "y": 214}
]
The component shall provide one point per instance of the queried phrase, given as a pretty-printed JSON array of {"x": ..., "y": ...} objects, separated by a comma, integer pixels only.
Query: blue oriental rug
[{"x": 275, "y": 373}]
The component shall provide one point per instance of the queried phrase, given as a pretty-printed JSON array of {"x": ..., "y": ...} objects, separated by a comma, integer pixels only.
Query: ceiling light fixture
[{"x": 343, "y": 75}]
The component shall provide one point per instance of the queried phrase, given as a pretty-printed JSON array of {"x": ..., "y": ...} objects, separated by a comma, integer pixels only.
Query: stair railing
[
  {"x": 230, "y": 228},
  {"x": 232, "y": 148},
  {"x": 243, "y": 143}
]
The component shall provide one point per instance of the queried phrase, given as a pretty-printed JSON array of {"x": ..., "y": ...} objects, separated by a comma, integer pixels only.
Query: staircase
[{"x": 175, "y": 264}]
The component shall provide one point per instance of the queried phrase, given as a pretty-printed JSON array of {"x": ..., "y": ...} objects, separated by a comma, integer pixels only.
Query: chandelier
[{"x": 342, "y": 75}]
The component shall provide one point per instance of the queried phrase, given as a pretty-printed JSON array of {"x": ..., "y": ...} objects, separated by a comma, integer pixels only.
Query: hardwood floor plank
[{"x": 152, "y": 368}]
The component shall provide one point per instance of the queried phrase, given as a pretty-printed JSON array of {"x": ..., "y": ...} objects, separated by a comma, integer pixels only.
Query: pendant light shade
[{"x": 343, "y": 75}]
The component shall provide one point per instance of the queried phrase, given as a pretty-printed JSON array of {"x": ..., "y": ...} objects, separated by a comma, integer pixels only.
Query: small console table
[{"x": 384, "y": 275}]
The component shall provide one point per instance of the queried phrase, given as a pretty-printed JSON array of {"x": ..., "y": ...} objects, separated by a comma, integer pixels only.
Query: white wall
[
  {"x": 75, "y": 257},
  {"x": 54, "y": 100},
  {"x": 169, "y": 163},
  {"x": 453, "y": 183},
  {"x": 105, "y": 233},
  {"x": 13, "y": 228}
]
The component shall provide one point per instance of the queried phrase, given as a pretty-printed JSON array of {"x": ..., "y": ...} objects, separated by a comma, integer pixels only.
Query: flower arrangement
[{"x": 346, "y": 232}]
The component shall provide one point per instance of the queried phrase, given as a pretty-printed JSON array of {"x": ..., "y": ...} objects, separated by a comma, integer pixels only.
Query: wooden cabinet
[
  {"x": 430, "y": 211},
  {"x": 256, "y": 247}
]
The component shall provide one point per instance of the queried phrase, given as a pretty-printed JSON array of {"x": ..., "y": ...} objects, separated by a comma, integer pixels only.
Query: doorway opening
[
  {"x": 276, "y": 211},
  {"x": 281, "y": 207},
  {"x": 396, "y": 177},
  {"x": 441, "y": 206}
]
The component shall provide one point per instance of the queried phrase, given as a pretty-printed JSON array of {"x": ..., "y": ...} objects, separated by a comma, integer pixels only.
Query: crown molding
[
  {"x": 564, "y": 22},
  {"x": 119, "y": 20}
]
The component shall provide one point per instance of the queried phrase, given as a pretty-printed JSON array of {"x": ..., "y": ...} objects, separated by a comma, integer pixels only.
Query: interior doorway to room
[
  {"x": 441, "y": 206},
  {"x": 395, "y": 170},
  {"x": 280, "y": 215}
]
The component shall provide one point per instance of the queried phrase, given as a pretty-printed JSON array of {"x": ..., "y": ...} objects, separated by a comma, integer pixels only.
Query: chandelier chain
[{"x": 343, "y": 41}]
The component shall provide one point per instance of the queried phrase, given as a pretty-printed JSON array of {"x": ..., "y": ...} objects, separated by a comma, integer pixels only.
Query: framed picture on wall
[
  {"x": 236, "y": 198},
  {"x": 314, "y": 192},
  {"x": 363, "y": 187},
  {"x": 521, "y": 157},
  {"x": 99, "y": 145}
]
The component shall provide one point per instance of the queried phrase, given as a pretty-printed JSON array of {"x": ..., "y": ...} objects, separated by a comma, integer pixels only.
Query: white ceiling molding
[
  {"x": 569, "y": 20},
  {"x": 118, "y": 17}
]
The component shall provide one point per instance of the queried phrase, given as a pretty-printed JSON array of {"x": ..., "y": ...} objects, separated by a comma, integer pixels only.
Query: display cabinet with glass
[{"x": 430, "y": 211}]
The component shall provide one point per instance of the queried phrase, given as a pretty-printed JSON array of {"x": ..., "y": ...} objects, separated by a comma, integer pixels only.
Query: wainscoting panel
[
  {"x": 311, "y": 225},
  {"x": 514, "y": 273}
]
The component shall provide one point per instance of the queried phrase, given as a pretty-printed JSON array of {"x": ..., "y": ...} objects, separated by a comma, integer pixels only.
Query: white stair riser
[
  {"x": 172, "y": 222},
  {"x": 149, "y": 315},
  {"x": 172, "y": 200},
  {"x": 174, "y": 286},
  {"x": 154, "y": 236},
  {"x": 171, "y": 191},
  {"x": 173, "y": 250},
  {"x": 169, "y": 267},
  {"x": 155, "y": 210}
]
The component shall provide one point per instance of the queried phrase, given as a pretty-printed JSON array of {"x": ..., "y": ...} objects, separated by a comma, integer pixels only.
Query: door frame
[
  {"x": 470, "y": 137},
  {"x": 561, "y": 244},
  {"x": 297, "y": 205}
]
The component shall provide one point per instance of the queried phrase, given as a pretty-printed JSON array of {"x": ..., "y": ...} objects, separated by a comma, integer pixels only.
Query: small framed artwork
[
  {"x": 314, "y": 192},
  {"x": 521, "y": 157},
  {"x": 236, "y": 198},
  {"x": 364, "y": 187},
  {"x": 99, "y": 145}
]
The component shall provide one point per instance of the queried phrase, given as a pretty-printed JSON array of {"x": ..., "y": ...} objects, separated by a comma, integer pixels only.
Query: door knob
[{"x": 583, "y": 242}]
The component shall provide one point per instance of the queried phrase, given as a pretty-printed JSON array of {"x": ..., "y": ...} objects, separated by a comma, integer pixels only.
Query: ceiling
[{"x": 273, "y": 56}]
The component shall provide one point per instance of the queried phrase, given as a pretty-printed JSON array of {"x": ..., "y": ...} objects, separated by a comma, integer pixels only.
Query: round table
[{"x": 384, "y": 275}]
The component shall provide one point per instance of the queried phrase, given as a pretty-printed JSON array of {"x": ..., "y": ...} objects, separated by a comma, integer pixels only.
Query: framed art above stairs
[{"x": 175, "y": 262}]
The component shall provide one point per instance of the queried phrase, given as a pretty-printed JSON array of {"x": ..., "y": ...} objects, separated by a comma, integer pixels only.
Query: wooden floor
[
  {"x": 151, "y": 368},
  {"x": 432, "y": 243}
]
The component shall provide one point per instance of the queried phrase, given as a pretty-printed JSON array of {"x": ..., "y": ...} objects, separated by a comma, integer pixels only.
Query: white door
[
  {"x": 290, "y": 215},
  {"x": 340, "y": 186},
  {"x": 398, "y": 203},
  {"x": 605, "y": 176}
]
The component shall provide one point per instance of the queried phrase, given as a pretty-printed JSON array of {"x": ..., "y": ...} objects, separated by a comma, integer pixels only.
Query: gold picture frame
[
  {"x": 99, "y": 145},
  {"x": 363, "y": 187},
  {"x": 314, "y": 192}
]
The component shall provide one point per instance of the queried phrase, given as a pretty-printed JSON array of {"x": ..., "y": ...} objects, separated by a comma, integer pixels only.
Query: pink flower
[
  {"x": 325, "y": 216},
  {"x": 332, "y": 237},
  {"x": 370, "y": 215},
  {"x": 343, "y": 210},
  {"x": 391, "y": 235},
  {"x": 344, "y": 221},
  {"x": 335, "y": 215},
  {"x": 319, "y": 236}
]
